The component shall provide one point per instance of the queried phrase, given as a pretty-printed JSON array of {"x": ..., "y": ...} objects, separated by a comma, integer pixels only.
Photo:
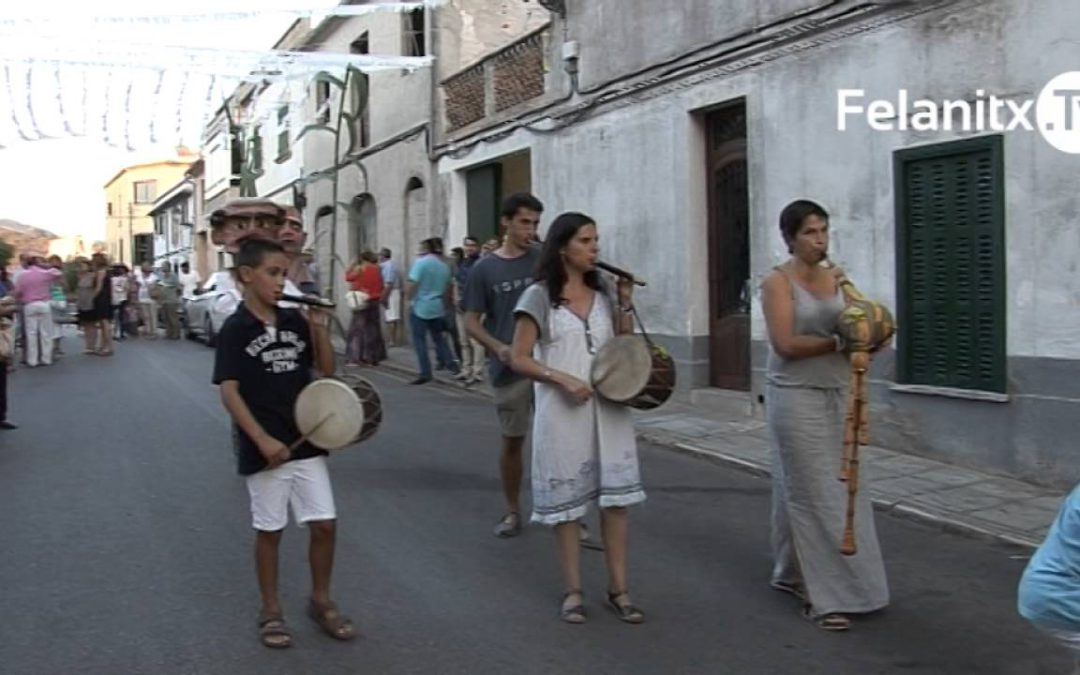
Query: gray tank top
[{"x": 813, "y": 316}]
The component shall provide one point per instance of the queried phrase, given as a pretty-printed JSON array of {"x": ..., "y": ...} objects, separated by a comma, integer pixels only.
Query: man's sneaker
[{"x": 509, "y": 526}]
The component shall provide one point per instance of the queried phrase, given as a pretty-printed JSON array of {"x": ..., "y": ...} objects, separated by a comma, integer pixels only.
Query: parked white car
[{"x": 206, "y": 313}]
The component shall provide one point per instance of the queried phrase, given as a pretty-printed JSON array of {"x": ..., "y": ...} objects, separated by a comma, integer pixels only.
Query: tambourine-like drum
[
  {"x": 329, "y": 413},
  {"x": 633, "y": 371},
  {"x": 370, "y": 402}
]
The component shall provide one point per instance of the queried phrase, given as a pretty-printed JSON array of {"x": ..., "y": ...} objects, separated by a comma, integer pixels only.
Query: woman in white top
[{"x": 584, "y": 447}]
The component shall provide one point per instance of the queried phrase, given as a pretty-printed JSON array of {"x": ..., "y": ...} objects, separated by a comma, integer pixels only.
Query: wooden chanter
[{"x": 865, "y": 326}]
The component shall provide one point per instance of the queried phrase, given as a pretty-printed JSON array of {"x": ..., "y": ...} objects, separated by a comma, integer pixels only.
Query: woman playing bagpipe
[{"x": 809, "y": 373}]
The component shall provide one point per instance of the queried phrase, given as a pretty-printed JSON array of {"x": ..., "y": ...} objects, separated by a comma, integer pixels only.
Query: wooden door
[{"x": 729, "y": 249}]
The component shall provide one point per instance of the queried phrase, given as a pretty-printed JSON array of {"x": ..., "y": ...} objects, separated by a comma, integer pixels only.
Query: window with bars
[
  {"x": 283, "y": 132},
  {"x": 255, "y": 149},
  {"x": 361, "y": 45},
  {"x": 322, "y": 102},
  {"x": 414, "y": 33},
  {"x": 950, "y": 257}
]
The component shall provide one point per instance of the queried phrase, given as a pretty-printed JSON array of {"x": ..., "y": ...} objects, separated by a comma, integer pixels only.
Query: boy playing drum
[{"x": 265, "y": 355}]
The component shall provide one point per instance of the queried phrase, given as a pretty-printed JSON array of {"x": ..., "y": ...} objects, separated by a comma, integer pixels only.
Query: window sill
[
  {"x": 950, "y": 392},
  {"x": 281, "y": 159}
]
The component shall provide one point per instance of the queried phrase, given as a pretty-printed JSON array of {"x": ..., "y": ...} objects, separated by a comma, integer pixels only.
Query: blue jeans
[{"x": 437, "y": 328}]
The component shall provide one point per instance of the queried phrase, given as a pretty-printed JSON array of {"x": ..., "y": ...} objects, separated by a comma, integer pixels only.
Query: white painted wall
[{"x": 639, "y": 169}]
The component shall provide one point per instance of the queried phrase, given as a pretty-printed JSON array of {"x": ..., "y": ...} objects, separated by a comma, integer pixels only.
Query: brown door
[{"x": 729, "y": 249}]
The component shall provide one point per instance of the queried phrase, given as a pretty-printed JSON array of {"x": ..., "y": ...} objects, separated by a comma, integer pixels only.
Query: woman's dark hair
[
  {"x": 793, "y": 216},
  {"x": 550, "y": 268},
  {"x": 254, "y": 249},
  {"x": 368, "y": 256},
  {"x": 522, "y": 200}
]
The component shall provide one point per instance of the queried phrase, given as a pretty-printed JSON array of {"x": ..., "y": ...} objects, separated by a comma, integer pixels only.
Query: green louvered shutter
[{"x": 950, "y": 256}]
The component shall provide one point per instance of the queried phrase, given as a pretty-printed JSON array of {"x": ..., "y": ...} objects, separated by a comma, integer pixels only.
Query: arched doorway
[
  {"x": 363, "y": 225},
  {"x": 729, "y": 249},
  {"x": 416, "y": 225}
]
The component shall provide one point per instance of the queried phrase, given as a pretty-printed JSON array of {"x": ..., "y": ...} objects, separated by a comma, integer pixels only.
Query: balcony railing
[{"x": 502, "y": 80}]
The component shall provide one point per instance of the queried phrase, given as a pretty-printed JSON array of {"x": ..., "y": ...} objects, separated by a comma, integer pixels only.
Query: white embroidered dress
[{"x": 582, "y": 453}]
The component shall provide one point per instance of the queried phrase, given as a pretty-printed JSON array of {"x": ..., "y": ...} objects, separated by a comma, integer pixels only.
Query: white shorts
[
  {"x": 392, "y": 311},
  {"x": 303, "y": 484}
]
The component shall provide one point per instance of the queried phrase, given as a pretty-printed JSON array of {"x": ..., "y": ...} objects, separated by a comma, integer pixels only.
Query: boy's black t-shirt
[{"x": 272, "y": 366}]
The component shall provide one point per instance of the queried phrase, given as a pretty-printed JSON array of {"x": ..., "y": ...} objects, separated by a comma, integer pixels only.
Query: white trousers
[{"x": 39, "y": 333}]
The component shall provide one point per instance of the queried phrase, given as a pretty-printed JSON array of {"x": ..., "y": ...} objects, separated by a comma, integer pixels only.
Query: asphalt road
[{"x": 125, "y": 548}]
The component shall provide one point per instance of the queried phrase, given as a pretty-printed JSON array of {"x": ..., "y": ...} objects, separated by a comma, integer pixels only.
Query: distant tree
[{"x": 7, "y": 252}]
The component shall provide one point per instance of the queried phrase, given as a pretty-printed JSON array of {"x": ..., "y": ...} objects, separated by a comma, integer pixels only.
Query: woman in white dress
[{"x": 584, "y": 448}]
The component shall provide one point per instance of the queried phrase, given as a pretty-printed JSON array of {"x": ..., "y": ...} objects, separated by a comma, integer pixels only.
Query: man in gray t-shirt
[{"x": 491, "y": 293}]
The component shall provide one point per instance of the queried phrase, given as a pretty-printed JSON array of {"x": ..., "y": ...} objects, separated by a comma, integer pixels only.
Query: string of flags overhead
[{"x": 56, "y": 71}]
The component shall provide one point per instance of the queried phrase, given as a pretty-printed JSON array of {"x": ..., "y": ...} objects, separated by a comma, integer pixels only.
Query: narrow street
[{"x": 126, "y": 548}]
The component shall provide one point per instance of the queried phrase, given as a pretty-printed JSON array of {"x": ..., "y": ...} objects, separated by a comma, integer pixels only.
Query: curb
[{"x": 677, "y": 444}]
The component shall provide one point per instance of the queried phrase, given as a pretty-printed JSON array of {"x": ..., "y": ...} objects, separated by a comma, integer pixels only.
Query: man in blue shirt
[
  {"x": 428, "y": 289},
  {"x": 1049, "y": 593}
]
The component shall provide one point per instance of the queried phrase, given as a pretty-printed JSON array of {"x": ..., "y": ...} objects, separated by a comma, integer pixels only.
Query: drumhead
[
  {"x": 321, "y": 398},
  {"x": 622, "y": 368}
]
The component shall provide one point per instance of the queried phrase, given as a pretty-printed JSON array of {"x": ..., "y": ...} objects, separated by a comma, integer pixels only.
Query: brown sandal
[
  {"x": 628, "y": 612},
  {"x": 272, "y": 631},
  {"x": 574, "y": 613},
  {"x": 333, "y": 622},
  {"x": 835, "y": 623}
]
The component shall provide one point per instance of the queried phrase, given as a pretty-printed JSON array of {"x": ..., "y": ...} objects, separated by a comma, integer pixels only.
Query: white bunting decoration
[
  {"x": 161, "y": 82},
  {"x": 69, "y": 18}
]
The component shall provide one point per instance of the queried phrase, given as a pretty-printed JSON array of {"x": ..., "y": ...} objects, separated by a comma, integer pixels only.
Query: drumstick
[{"x": 298, "y": 442}]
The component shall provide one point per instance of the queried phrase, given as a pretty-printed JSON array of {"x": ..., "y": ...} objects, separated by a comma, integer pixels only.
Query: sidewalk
[{"x": 954, "y": 498}]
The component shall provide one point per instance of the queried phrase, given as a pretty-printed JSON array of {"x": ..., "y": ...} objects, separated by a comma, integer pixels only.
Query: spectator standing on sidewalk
[
  {"x": 364, "y": 343},
  {"x": 103, "y": 302},
  {"x": 189, "y": 282},
  {"x": 427, "y": 290},
  {"x": 33, "y": 290},
  {"x": 494, "y": 286},
  {"x": 147, "y": 282},
  {"x": 472, "y": 352},
  {"x": 8, "y": 310},
  {"x": 25, "y": 262},
  {"x": 118, "y": 283},
  {"x": 59, "y": 304},
  {"x": 448, "y": 316},
  {"x": 132, "y": 312},
  {"x": 84, "y": 304},
  {"x": 391, "y": 299},
  {"x": 170, "y": 301}
]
